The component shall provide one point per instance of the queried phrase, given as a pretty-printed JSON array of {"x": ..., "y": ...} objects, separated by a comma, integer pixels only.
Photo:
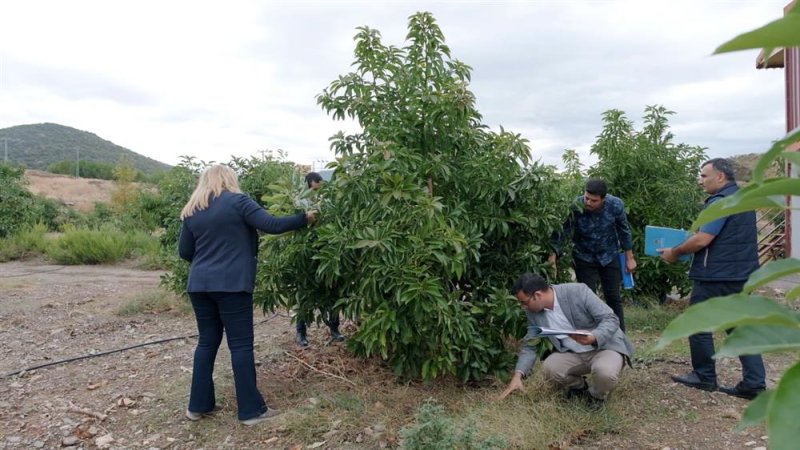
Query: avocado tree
[
  {"x": 657, "y": 179},
  {"x": 428, "y": 218}
]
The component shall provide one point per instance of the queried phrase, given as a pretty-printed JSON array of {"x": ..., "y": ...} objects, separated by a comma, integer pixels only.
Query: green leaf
[
  {"x": 777, "y": 149},
  {"x": 770, "y": 272},
  {"x": 723, "y": 313},
  {"x": 756, "y": 411},
  {"x": 792, "y": 157},
  {"x": 365, "y": 243},
  {"x": 782, "y": 424},
  {"x": 777, "y": 34},
  {"x": 757, "y": 339},
  {"x": 736, "y": 204},
  {"x": 793, "y": 293}
]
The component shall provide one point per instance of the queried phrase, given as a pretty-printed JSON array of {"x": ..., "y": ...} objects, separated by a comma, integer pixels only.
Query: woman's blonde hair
[{"x": 213, "y": 181}]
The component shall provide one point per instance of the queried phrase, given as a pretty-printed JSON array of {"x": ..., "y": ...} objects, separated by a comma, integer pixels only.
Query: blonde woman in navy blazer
[{"x": 219, "y": 237}]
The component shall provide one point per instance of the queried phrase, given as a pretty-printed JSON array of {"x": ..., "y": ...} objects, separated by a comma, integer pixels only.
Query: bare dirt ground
[
  {"x": 78, "y": 193},
  {"x": 135, "y": 399}
]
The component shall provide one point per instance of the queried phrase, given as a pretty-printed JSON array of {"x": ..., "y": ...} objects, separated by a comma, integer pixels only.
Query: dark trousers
[
  {"x": 701, "y": 345},
  {"x": 330, "y": 319},
  {"x": 231, "y": 312},
  {"x": 610, "y": 278}
]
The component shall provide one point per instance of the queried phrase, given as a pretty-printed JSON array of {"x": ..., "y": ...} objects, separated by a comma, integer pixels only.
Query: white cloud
[{"x": 212, "y": 79}]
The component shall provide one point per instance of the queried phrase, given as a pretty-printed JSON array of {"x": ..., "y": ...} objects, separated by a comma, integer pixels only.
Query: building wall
[{"x": 792, "y": 74}]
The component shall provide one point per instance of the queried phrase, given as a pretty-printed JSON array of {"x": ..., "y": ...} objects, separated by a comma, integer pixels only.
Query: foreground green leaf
[
  {"x": 770, "y": 272},
  {"x": 777, "y": 34},
  {"x": 782, "y": 424},
  {"x": 756, "y": 411},
  {"x": 757, "y": 339},
  {"x": 726, "y": 312}
]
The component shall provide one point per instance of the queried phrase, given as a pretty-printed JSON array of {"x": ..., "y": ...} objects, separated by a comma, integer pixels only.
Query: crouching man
[{"x": 572, "y": 306}]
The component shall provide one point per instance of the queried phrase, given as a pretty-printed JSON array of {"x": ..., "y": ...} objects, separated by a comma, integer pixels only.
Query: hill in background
[
  {"x": 37, "y": 146},
  {"x": 744, "y": 165}
]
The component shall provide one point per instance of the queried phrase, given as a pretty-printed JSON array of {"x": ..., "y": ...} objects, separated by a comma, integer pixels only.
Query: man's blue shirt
[
  {"x": 597, "y": 236},
  {"x": 715, "y": 227}
]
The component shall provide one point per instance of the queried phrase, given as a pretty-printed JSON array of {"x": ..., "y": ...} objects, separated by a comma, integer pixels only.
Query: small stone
[
  {"x": 69, "y": 441},
  {"x": 379, "y": 428},
  {"x": 329, "y": 434},
  {"x": 313, "y": 401},
  {"x": 38, "y": 444},
  {"x": 104, "y": 441},
  {"x": 731, "y": 414},
  {"x": 14, "y": 439},
  {"x": 759, "y": 448},
  {"x": 750, "y": 443}
]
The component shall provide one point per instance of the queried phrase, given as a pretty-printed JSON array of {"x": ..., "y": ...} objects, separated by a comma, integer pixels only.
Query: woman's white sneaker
[{"x": 268, "y": 414}]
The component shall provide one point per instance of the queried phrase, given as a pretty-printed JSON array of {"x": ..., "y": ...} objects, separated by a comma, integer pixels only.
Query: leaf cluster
[
  {"x": 19, "y": 208},
  {"x": 427, "y": 219},
  {"x": 657, "y": 179}
]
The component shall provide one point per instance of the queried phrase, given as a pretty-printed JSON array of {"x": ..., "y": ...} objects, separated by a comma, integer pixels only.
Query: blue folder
[
  {"x": 663, "y": 237},
  {"x": 627, "y": 277}
]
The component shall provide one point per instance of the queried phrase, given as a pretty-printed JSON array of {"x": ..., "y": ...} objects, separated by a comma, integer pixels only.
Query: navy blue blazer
[{"x": 221, "y": 242}]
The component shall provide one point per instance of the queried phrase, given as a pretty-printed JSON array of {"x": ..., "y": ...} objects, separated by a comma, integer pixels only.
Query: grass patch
[
  {"x": 652, "y": 319},
  {"x": 347, "y": 402},
  {"x": 154, "y": 301},
  {"x": 10, "y": 250},
  {"x": 34, "y": 240},
  {"x": 100, "y": 246}
]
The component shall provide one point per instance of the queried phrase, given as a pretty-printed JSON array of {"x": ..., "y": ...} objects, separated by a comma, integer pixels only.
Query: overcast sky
[{"x": 215, "y": 79}]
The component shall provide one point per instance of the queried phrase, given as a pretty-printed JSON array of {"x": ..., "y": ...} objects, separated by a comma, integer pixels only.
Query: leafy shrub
[
  {"x": 10, "y": 250},
  {"x": 97, "y": 246},
  {"x": 433, "y": 430},
  {"x": 174, "y": 190},
  {"x": 26, "y": 242},
  {"x": 427, "y": 219},
  {"x": 34, "y": 239},
  {"x": 657, "y": 179},
  {"x": 87, "y": 169},
  {"x": 19, "y": 208}
]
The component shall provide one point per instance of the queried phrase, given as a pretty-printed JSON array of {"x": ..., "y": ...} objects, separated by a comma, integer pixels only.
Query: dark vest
[{"x": 733, "y": 254}]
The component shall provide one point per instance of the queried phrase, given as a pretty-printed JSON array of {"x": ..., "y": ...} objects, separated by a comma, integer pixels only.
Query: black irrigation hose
[{"x": 78, "y": 358}]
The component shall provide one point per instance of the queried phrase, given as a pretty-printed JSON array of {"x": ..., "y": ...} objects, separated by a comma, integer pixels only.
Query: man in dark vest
[{"x": 725, "y": 254}]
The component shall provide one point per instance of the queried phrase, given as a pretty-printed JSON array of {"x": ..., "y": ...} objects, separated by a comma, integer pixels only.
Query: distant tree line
[{"x": 100, "y": 170}]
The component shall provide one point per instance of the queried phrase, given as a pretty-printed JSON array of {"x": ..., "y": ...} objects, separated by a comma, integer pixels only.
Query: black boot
[
  {"x": 335, "y": 335},
  {"x": 301, "y": 339}
]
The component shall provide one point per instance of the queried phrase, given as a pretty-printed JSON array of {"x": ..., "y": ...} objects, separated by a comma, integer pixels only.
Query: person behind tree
[{"x": 331, "y": 318}]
